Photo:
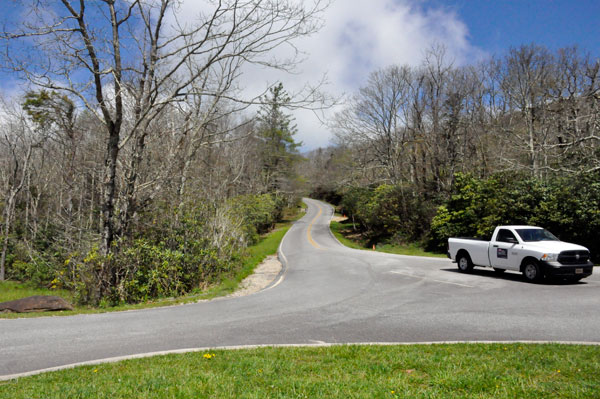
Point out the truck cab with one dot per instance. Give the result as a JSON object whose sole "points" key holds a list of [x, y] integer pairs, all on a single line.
{"points": [[503, 250]]}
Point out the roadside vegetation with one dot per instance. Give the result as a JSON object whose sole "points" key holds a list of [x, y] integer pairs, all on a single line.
{"points": [[192, 234], [158, 189], [345, 232], [395, 220], [421, 371], [266, 244], [437, 150]]}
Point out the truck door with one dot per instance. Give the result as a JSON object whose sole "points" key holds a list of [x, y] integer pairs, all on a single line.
{"points": [[502, 250]]}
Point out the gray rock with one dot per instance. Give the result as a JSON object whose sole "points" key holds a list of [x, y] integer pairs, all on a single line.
{"points": [[37, 303]]}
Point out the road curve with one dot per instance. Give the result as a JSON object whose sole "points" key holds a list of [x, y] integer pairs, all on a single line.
{"points": [[327, 294]]}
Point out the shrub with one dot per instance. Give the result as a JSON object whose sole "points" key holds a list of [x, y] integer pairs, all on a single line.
{"points": [[258, 213], [389, 212], [174, 251], [569, 207]]}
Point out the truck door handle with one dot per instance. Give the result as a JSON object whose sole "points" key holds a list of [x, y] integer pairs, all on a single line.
{"points": [[495, 246]]}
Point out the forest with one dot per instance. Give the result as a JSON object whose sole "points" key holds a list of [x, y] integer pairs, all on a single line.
{"points": [[134, 166], [429, 152]]}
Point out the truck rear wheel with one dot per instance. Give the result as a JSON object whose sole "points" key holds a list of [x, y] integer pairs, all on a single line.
{"points": [[464, 262], [532, 271]]}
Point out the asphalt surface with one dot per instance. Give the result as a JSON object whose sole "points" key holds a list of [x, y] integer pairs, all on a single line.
{"points": [[327, 294]]}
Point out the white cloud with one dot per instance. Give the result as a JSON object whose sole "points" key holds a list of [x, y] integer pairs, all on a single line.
{"points": [[359, 37]]}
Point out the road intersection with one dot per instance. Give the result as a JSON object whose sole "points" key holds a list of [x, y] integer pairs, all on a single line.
{"points": [[326, 294]]}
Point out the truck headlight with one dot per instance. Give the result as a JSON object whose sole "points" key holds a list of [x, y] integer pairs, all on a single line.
{"points": [[549, 257]]}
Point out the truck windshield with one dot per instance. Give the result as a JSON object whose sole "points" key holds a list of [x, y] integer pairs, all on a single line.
{"points": [[529, 235]]}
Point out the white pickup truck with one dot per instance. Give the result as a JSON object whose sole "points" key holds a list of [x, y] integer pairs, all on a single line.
{"points": [[531, 250]]}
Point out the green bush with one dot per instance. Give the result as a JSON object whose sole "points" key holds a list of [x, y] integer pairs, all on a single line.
{"points": [[259, 213], [569, 207], [389, 212], [174, 251], [35, 267], [475, 207], [571, 210]]}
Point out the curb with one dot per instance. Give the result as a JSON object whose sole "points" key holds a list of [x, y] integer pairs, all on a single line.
{"points": [[242, 347]]}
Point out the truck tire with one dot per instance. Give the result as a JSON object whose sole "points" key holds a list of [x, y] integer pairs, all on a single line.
{"points": [[532, 271], [464, 262]]}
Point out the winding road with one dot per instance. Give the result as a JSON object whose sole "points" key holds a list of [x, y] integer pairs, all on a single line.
{"points": [[327, 293]]}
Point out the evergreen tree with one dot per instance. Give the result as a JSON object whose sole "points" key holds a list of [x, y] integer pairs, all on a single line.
{"points": [[276, 132]]}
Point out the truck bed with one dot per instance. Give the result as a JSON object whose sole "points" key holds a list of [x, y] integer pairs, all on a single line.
{"points": [[476, 247]]}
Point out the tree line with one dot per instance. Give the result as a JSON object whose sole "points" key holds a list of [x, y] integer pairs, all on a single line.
{"points": [[529, 118]]}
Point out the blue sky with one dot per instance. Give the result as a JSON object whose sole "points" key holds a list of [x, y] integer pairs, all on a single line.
{"points": [[399, 31], [494, 26]]}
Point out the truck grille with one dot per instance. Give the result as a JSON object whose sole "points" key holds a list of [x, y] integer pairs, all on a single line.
{"points": [[574, 257]]}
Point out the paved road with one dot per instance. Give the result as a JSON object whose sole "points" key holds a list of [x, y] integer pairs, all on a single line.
{"points": [[330, 294]]}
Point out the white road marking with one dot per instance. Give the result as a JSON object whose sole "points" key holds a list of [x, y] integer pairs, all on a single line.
{"points": [[431, 279], [285, 261]]}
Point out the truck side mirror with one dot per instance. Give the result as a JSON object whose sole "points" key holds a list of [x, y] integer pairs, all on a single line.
{"points": [[512, 240]]}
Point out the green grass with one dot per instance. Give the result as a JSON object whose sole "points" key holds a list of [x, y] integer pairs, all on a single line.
{"points": [[344, 233], [421, 371], [256, 254]]}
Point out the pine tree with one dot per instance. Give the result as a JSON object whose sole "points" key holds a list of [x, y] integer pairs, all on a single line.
{"points": [[276, 132]]}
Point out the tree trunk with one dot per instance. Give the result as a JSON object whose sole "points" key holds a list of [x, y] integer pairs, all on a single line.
{"points": [[8, 215], [108, 206], [130, 202]]}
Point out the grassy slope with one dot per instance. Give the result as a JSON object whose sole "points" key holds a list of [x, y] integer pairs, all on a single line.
{"points": [[342, 230], [436, 371], [256, 254]]}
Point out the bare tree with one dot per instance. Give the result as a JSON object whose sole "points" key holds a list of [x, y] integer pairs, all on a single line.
{"points": [[17, 144], [128, 61], [376, 118], [575, 112], [527, 82]]}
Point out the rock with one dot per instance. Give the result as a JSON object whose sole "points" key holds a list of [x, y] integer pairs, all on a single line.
{"points": [[38, 303]]}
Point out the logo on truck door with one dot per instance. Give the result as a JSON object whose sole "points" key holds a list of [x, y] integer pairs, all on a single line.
{"points": [[502, 253]]}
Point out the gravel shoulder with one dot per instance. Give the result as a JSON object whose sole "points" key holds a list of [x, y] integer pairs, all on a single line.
{"points": [[263, 275]]}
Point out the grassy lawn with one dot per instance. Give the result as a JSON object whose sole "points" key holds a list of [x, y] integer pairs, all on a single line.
{"points": [[421, 371], [343, 232], [256, 254]]}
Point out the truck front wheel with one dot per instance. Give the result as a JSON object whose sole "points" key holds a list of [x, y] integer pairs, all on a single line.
{"points": [[464, 263], [532, 271]]}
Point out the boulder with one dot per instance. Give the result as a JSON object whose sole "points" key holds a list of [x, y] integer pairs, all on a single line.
{"points": [[37, 303]]}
